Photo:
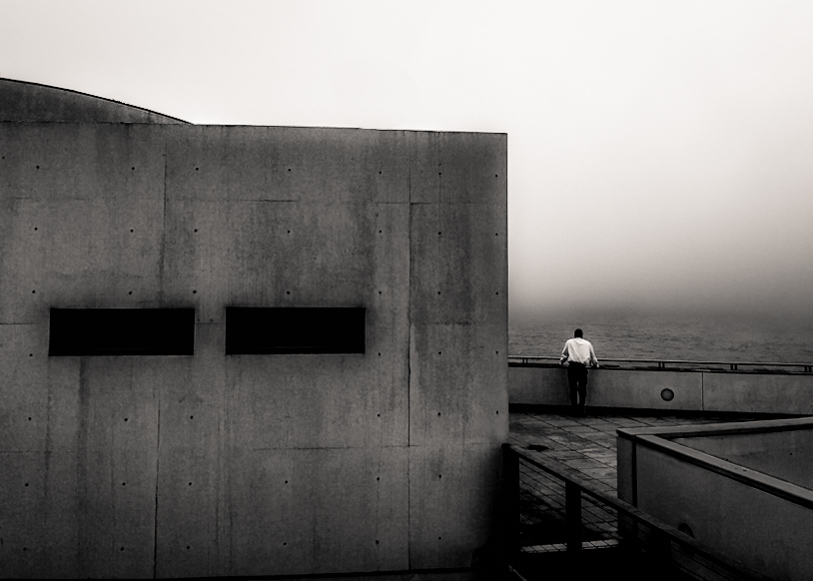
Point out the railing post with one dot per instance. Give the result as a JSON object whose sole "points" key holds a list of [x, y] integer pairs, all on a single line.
{"points": [[510, 512], [661, 549], [573, 517]]}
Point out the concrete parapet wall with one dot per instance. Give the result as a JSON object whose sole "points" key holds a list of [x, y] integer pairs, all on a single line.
{"points": [[767, 533], [740, 488], [741, 392], [717, 391], [240, 465]]}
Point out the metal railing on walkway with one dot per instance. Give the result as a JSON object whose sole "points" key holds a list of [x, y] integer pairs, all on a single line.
{"points": [[560, 526], [673, 364]]}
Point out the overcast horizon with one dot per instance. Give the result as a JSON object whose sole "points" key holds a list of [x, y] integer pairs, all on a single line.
{"points": [[659, 154]]}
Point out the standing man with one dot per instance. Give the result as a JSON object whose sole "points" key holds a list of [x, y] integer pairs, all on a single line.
{"points": [[577, 356]]}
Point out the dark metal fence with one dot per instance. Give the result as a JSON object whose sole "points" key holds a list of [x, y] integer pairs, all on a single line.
{"points": [[674, 364], [561, 527]]}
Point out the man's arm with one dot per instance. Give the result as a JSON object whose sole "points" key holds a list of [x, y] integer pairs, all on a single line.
{"points": [[593, 358], [564, 356]]}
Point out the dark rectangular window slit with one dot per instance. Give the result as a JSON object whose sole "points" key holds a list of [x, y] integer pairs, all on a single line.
{"points": [[122, 332], [259, 331]]}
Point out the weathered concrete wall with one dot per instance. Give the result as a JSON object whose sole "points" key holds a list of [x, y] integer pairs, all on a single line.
{"points": [[690, 390], [608, 388], [255, 464], [786, 394]]}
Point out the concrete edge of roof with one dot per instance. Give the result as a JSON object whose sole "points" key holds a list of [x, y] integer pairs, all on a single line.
{"points": [[88, 96]]}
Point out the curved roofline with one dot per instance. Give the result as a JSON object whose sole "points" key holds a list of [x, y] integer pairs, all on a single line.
{"points": [[94, 97]]}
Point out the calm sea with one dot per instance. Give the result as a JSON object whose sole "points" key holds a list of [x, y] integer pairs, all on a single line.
{"points": [[669, 336]]}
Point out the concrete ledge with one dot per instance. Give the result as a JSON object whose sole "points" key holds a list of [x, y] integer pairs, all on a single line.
{"points": [[657, 439], [635, 412], [668, 390], [460, 574]]}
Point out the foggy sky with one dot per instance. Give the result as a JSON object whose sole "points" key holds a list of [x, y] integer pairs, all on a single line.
{"points": [[660, 154]]}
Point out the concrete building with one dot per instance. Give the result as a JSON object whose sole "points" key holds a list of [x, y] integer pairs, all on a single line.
{"points": [[238, 351]]}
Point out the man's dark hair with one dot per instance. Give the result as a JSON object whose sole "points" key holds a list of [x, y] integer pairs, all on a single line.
{"points": [[578, 333]]}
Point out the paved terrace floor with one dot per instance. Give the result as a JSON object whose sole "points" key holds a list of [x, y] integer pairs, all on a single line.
{"points": [[586, 446]]}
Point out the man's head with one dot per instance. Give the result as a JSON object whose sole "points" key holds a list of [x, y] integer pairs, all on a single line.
{"points": [[578, 333]]}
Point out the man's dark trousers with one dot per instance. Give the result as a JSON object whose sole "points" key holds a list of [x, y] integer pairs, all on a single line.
{"points": [[577, 380]]}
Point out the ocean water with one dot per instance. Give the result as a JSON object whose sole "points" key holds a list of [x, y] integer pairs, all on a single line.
{"points": [[684, 336]]}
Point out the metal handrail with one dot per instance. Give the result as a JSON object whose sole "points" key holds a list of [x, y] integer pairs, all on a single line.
{"points": [[576, 486], [662, 363]]}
